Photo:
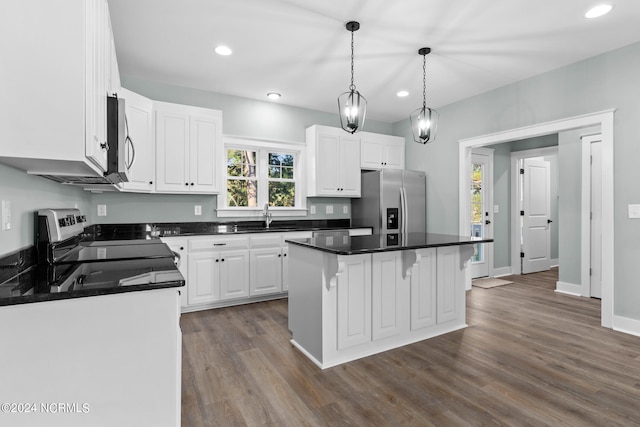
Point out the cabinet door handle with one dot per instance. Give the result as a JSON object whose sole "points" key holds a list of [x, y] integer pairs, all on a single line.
{"points": [[150, 182], [104, 145], [192, 183], [217, 260], [186, 183], [284, 255], [182, 248], [219, 244], [222, 259], [279, 255]]}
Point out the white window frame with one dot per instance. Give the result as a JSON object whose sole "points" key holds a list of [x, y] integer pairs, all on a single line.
{"points": [[263, 148]]}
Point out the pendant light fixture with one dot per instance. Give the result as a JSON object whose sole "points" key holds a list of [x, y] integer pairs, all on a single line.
{"points": [[424, 121], [352, 106]]}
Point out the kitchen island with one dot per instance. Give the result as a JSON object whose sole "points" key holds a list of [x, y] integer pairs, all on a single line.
{"points": [[351, 297]]}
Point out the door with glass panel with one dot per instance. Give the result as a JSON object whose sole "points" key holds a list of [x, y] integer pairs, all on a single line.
{"points": [[480, 192]]}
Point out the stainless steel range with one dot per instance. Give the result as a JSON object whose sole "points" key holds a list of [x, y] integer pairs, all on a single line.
{"points": [[75, 263]]}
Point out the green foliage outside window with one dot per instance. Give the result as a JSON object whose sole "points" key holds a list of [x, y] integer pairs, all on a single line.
{"points": [[243, 178], [242, 183]]}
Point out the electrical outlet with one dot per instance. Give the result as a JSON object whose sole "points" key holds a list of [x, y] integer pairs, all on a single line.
{"points": [[329, 209], [345, 209], [197, 210], [496, 208], [634, 211], [312, 210], [102, 210], [6, 215]]}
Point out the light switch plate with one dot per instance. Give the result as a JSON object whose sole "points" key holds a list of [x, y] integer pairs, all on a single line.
{"points": [[329, 209], [496, 208], [312, 210], [6, 215], [102, 210], [634, 211], [345, 209], [197, 210]]}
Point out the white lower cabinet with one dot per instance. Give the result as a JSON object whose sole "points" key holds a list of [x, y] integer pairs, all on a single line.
{"points": [[266, 271], [448, 296], [354, 301], [218, 269], [218, 276], [234, 274], [389, 293], [423, 289]]}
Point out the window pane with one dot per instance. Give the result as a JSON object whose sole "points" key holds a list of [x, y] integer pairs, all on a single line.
{"points": [[242, 192], [287, 160], [287, 173], [282, 194], [274, 172], [274, 159], [241, 163]]}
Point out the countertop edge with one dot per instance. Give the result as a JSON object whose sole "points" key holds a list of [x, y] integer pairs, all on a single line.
{"points": [[84, 293], [379, 249]]}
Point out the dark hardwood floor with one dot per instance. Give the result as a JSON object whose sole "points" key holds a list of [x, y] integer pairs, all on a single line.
{"points": [[530, 357]]}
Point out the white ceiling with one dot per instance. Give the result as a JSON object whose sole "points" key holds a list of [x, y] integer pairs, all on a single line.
{"points": [[301, 48]]}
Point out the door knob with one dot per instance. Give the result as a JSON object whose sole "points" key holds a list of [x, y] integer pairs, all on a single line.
{"points": [[549, 221]]}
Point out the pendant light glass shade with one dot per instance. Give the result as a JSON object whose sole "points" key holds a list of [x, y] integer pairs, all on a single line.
{"points": [[352, 106], [424, 124], [424, 121]]}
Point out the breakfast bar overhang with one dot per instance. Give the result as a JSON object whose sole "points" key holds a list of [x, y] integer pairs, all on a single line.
{"points": [[351, 297]]}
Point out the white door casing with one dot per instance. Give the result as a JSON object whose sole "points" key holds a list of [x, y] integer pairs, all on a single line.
{"points": [[595, 204], [536, 234], [605, 120]]}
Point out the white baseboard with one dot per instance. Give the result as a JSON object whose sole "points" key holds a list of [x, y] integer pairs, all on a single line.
{"points": [[555, 263], [626, 325], [568, 288], [502, 271]]}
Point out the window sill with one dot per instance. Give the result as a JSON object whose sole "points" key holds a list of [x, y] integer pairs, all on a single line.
{"points": [[257, 213]]}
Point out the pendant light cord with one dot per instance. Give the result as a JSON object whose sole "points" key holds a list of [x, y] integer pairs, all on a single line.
{"points": [[424, 82], [352, 87]]}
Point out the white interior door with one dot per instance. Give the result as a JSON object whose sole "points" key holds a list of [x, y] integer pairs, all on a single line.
{"points": [[481, 215], [536, 206], [596, 219]]}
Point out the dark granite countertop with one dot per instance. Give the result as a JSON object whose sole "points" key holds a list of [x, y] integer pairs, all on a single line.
{"points": [[383, 242], [42, 283], [153, 230]]}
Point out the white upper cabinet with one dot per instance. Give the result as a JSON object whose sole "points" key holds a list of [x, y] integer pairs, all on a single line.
{"points": [[54, 69], [139, 114], [188, 149], [333, 162], [381, 151]]}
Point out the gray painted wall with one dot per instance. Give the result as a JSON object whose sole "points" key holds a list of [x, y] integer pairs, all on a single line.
{"points": [[28, 193], [610, 80]]}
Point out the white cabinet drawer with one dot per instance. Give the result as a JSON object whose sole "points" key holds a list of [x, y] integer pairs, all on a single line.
{"points": [[218, 243], [266, 240]]}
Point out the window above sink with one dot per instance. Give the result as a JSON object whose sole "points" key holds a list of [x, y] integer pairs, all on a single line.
{"points": [[258, 172]]}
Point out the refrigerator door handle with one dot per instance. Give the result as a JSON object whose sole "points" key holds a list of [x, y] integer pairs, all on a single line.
{"points": [[403, 208]]}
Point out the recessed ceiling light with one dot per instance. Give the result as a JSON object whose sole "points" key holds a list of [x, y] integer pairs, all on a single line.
{"points": [[223, 50], [598, 11], [273, 95], [402, 94]]}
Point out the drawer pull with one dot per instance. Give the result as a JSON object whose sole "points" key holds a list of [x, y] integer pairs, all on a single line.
{"points": [[219, 244]]}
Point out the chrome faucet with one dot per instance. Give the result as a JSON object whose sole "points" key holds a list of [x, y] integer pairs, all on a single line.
{"points": [[267, 215]]}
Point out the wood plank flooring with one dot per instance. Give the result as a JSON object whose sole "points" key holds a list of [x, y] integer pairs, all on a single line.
{"points": [[530, 357]]}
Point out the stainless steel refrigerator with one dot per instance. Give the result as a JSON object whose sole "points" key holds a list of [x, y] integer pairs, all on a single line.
{"points": [[392, 201]]}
